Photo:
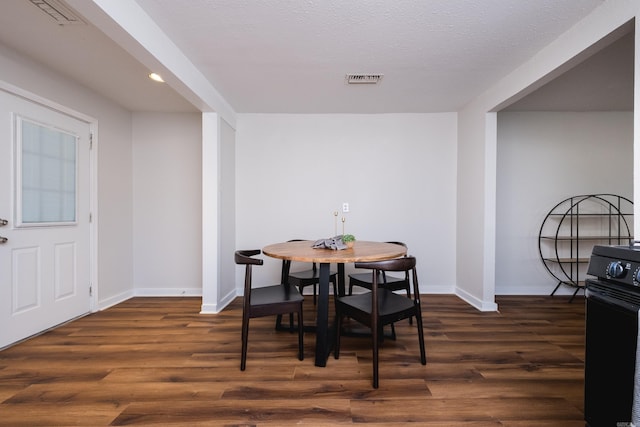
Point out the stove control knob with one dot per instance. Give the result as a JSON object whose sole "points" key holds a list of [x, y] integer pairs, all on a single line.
{"points": [[615, 269], [636, 277]]}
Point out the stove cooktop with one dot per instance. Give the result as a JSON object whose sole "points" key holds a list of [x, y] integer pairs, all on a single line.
{"points": [[619, 264]]}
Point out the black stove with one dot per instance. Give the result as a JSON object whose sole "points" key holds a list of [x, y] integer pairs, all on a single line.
{"points": [[612, 305], [617, 264]]}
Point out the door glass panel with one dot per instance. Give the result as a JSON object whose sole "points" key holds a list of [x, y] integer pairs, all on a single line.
{"points": [[46, 175]]}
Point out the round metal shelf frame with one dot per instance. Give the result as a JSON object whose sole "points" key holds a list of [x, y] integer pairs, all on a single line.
{"points": [[563, 245]]}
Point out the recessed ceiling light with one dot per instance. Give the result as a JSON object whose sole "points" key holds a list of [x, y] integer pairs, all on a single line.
{"points": [[156, 77]]}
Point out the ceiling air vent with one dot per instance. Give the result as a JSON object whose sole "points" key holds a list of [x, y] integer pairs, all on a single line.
{"points": [[58, 11], [363, 78]]}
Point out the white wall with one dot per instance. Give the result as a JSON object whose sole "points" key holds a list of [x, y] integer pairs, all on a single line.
{"points": [[397, 172], [476, 191], [167, 204], [115, 255], [543, 158]]}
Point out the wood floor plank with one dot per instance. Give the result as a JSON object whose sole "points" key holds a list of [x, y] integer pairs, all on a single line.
{"points": [[314, 390], [529, 371], [101, 392], [59, 414], [477, 409], [158, 361], [486, 389], [244, 412]]}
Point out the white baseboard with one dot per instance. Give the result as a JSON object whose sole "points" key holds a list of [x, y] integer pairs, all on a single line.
{"points": [[441, 289], [217, 308], [148, 292], [167, 292], [537, 290], [116, 299], [475, 302]]}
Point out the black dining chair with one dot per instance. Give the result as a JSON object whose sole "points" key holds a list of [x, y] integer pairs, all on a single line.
{"points": [[266, 301], [301, 279], [393, 283], [308, 277], [382, 306], [365, 280]]}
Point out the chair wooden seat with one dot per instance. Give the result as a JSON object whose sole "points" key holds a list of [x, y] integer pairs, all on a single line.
{"points": [[391, 307], [265, 297]]}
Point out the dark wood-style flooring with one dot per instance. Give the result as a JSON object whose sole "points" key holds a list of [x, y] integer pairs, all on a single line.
{"points": [[157, 361]]}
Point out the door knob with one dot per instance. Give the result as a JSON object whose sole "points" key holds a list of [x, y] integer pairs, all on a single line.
{"points": [[3, 222], [3, 240]]}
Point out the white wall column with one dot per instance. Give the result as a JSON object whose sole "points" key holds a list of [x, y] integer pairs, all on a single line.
{"points": [[489, 262], [210, 213]]}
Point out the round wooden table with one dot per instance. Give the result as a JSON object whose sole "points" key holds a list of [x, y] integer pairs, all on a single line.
{"points": [[303, 251]]}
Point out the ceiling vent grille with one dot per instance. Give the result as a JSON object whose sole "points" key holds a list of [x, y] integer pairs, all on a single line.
{"points": [[363, 78], [58, 11]]}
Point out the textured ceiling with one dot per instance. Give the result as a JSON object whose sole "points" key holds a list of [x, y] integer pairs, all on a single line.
{"points": [[291, 56]]}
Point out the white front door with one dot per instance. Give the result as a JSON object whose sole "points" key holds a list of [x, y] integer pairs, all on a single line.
{"points": [[44, 218]]}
